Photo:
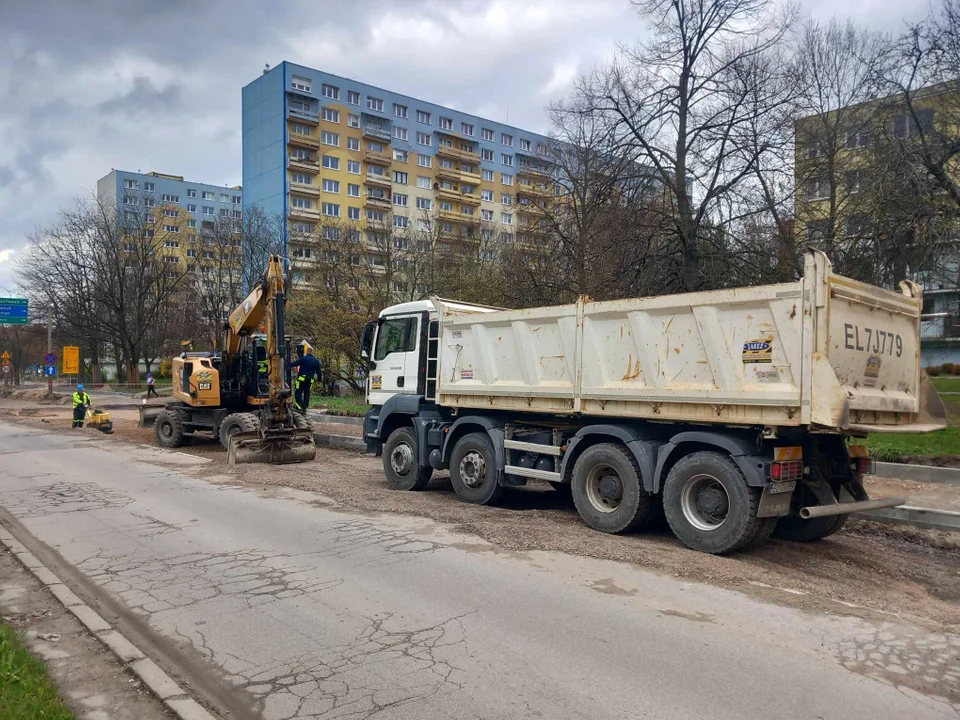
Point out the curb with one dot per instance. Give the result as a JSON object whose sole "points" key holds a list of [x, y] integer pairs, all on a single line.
{"points": [[341, 441], [928, 518], [918, 473], [341, 419], [161, 685]]}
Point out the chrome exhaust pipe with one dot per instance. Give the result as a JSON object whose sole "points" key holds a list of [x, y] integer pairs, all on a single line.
{"points": [[815, 511]]}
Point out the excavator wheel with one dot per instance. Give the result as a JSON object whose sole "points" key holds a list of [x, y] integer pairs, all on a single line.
{"points": [[237, 423]]}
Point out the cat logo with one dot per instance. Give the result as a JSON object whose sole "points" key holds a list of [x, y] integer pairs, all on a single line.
{"points": [[759, 350]]}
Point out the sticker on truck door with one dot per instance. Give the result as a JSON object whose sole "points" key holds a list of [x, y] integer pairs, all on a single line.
{"points": [[759, 350], [376, 382]]}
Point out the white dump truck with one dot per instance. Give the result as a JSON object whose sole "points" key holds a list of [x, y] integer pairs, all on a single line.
{"points": [[729, 412]]}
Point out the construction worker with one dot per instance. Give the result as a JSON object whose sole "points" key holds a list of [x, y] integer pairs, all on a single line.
{"points": [[308, 369], [81, 401]]}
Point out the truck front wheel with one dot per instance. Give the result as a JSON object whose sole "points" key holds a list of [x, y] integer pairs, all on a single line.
{"points": [[710, 507], [400, 461], [473, 470], [607, 490]]}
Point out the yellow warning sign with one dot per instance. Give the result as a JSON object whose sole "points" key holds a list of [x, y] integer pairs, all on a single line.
{"points": [[5, 358], [71, 360]]}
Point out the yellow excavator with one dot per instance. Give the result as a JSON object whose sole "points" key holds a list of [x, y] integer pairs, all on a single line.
{"points": [[242, 395]]}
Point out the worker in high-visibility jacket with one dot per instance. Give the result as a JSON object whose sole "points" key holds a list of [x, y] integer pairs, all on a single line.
{"points": [[308, 369], [81, 401]]}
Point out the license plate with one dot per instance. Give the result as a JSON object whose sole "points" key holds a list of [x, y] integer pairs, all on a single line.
{"points": [[205, 386], [782, 487]]}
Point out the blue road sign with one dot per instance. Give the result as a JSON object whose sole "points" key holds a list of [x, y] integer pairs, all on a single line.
{"points": [[50, 359], [51, 371], [13, 311]]}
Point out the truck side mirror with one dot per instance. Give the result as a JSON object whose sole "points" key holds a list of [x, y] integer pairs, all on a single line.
{"points": [[366, 342]]}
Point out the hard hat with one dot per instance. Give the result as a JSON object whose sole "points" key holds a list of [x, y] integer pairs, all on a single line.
{"points": [[79, 387], [305, 347]]}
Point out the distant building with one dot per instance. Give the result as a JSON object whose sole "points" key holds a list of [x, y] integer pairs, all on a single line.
{"points": [[322, 150]]}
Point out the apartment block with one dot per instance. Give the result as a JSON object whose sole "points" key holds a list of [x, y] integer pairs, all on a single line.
{"points": [[321, 149]]}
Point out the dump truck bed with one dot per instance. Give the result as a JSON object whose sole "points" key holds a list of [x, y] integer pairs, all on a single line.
{"points": [[827, 352]]}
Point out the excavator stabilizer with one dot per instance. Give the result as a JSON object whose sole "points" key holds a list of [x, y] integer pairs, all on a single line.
{"points": [[279, 447]]}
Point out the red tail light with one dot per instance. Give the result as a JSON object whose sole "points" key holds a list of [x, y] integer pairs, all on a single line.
{"points": [[865, 465], [786, 470]]}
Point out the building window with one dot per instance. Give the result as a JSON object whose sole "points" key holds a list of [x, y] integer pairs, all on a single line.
{"points": [[330, 115], [191, 223], [353, 167], [375, 104], [171, 213], [375, 147], [506, 139], [424, 203], [207, 195], [401, 156], [295, 128], [400, 177], [331, 163], [506, 218], [818, 189], [423, 138], [131, 184], [353, 143], [446, 206], [172, 259], [331, 209], [237, 214], [400, 133], [446, 123], [851, 182], [171, 228], [172, 198], [486, 155], [506, 199], [299, 202], [423, 182], [423, 117], [487, 215], [353, 213], [353, 97], [525, 145], [129, 200], [208, 210], [424, 161], [237, 199], [353, 190], [191, 193], [152, 218], [861, 137], [191, 253], [448, 164], [353, 121], [329, 138], [854, 226], [170, 243], [224, 212], [302, 227], [466, 129], [191, 207], [399, 200], [331, 186], [149, 186], [486, 195], [375, 170], [488, 175], [506, 179], [487, 134], [399, 221], [466, 210], [374, 216], [224, 197], [506, 159], [330, 91], [302, 84], [149, 202], [400, 110]]}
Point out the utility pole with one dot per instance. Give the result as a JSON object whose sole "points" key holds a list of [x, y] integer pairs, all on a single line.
{"points": [[49, 350]]}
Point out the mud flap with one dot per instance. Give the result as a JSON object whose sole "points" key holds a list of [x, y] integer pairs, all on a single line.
{"points": [[279, 447], [775, 504]]}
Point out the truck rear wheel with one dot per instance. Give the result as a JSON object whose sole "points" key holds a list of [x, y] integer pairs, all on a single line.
{"points": [[800, 530], [169, 429], [236, 423], [400, 461], [607, 490], [473, 470], [710, 507]]}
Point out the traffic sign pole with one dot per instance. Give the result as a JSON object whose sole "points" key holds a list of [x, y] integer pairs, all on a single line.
{"points": [[49, 351]]}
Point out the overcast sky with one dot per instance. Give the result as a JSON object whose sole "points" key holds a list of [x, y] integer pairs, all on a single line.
{"points": [[90, 86]]}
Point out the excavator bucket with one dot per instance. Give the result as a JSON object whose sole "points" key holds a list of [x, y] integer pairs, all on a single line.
{"points": [[279, 447]]}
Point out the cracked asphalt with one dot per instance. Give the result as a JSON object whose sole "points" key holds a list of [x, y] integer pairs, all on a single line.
{"points": [[294, 607]]}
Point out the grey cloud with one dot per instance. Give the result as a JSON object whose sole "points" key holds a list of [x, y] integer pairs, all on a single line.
{"points": [[144, 97]]}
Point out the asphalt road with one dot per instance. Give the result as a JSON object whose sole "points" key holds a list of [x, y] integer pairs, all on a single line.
{"points": [[279, 604]]}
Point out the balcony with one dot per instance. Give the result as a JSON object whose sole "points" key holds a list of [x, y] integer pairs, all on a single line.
{"points": [[449, 174], [537, 173], [458, 237], [458, 217], [471, 178], [379, 203], [301, 189], [297, 213], [304, 141], [535, 190], [307, 117], [470, 199], [375, 133], [455, 153], [451, 194], [305, 165], [377, 158], [530, 209], [380, 181]]}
